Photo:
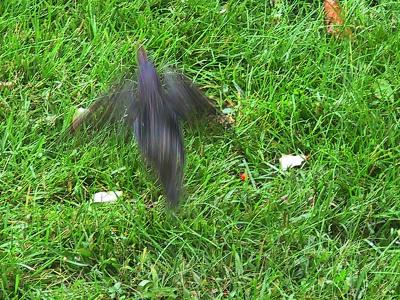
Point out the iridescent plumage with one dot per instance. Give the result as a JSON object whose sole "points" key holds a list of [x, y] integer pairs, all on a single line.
{"points": [[154, 113]]}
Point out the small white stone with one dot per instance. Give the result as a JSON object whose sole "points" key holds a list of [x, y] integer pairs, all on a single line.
{"points": [[106, 197], [290, 161]]}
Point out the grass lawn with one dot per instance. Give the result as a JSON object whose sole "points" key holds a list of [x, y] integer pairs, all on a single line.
{"points": [[328, 230]]}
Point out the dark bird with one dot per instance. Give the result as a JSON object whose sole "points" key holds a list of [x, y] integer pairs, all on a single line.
{"points": [[154, 108]]}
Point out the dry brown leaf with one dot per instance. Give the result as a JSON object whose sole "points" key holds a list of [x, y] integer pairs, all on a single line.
{"points": [[225, 120], [334, 18], [6, 84]]}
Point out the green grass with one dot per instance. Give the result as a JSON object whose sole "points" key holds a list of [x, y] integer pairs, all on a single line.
{"points": [[329, 230]]}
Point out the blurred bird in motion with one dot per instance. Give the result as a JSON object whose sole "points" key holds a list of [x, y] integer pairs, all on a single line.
{"points": [[154, 109]]}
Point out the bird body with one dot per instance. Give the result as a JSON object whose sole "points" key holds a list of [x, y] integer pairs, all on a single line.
{"points": [[155, 114]]}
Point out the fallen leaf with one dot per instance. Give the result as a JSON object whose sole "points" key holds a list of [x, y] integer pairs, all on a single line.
{"points": [[229, 103], [383, 90], [285, 198], [119, 170], [225, 120], [274, 2], [226, 293], [243, 176], [106, 197], [143, 283], [334, 18], [312, 199], [290, 161], [69, 186], [228, 110], [6, 84], [223, 9], [51, 120]]}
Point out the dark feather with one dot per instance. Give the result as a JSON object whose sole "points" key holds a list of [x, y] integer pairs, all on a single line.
{"points": [[185, 99], [157, 130], [118, 105], [154, 113]]}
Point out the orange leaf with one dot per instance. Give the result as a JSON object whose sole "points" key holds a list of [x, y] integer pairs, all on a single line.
{"points": [[333, 17], [243, 176]]}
